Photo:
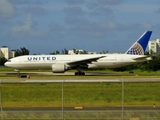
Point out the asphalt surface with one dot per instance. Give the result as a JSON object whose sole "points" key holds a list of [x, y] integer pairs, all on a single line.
{"points": [[135, 108], [84, 113], [67, 73], [68, 80]]}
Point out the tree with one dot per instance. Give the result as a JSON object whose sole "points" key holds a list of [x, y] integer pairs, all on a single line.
{"points": [[75, 51], [21, 51], [65, 51], [53, 53], [85, 52], [57, 52], [2, 61], [154, 64]]}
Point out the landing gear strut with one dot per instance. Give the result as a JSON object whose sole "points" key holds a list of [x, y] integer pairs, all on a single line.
{"points": [[18, 73], [79, 71]]}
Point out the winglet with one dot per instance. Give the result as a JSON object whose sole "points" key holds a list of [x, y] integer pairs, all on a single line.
{"points": [[139, 47]]}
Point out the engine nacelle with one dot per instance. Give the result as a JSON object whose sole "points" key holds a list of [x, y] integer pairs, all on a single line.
{"points": [[59, 68]]}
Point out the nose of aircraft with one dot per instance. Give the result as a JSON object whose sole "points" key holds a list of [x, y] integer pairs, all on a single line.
{"points": [[6, 63]]}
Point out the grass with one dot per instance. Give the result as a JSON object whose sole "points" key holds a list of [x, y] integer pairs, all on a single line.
{"points": [[79, 94]]}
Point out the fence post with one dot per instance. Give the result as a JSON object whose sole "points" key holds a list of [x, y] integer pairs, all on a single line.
{"points": [[122, 99], [62, 100], [1, 101]]}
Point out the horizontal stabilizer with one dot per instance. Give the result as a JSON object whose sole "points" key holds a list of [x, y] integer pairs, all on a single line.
{"points": [[144, 57]]}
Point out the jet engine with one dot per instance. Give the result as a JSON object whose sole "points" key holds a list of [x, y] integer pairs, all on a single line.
{"points": [[59, 68]]}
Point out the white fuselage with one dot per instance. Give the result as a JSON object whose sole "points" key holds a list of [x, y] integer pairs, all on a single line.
{"points": [[46, 61]]}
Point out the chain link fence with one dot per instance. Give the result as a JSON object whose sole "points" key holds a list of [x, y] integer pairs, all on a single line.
{"points": [[114, 99]]}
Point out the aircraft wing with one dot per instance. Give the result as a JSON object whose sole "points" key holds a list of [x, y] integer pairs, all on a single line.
{"points": [[84, 61]]}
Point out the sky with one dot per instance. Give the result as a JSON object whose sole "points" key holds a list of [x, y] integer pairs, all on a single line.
{"points": [[44, 26]]}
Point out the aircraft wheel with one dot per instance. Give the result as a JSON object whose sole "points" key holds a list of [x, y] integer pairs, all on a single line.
{"points": [[76, 73], [79, 73], [82, 73]]}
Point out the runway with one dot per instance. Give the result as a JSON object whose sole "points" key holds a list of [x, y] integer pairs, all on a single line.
{"points": [[68, 73], [68, 80], [127, 108], [110, 113], [69, 77]]}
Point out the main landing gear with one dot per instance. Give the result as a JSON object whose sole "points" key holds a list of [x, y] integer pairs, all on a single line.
{"points": [[79, 72]]}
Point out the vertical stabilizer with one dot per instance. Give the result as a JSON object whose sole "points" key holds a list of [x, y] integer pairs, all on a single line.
{"points": [[139, 47]]}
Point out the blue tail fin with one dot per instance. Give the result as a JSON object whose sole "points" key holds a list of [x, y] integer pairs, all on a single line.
{"points": [[139, 47]]}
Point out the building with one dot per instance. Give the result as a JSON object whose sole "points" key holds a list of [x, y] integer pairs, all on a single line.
{"points": [[5, 52], [154, 47], [75, 51]]}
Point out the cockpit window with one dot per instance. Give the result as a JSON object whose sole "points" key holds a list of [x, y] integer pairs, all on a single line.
{"points": [[9, 61]]}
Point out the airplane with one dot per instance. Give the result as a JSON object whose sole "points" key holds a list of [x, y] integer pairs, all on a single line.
{"points": [[62, 63]]}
